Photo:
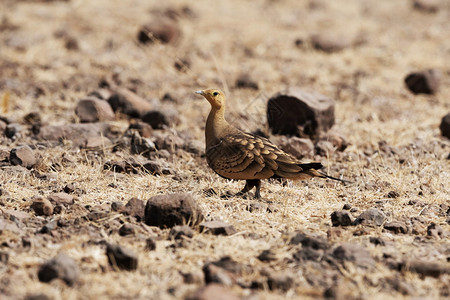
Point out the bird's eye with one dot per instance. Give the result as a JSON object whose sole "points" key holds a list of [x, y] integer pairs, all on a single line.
{"points": [[215, 94]]}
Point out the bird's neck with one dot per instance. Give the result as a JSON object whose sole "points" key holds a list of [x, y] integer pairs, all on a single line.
{"points": [[215, 125]]}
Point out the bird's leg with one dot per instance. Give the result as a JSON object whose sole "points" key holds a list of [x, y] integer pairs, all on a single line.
{"points": [[258, 189], [249, 185]]}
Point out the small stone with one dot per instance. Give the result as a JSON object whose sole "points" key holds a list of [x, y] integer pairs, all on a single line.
{"points": [[91, 110], [195, 277], [445, 126], [282, 281], [127, 229], [308, 253], [121, 258], [181, 231], [213, 291], [396, 227], [164, 30], [324, 148], [78, 134], [392, 194], [61, 198], [347, 206], [49, 227], [42, 207], [215, 274], [244, 81], [69, 188], [23, 156], [166, 211], [12, 131], [341, 218], [117, 206], [267, 256], [310, 241], [425, 268], [150, 244], [96, 215], [353, 253], [300, 113], [135, 208], [371, 217], [377, 241], [144, 129], [217, 228], [32, 118], [4, 257], [298, 147], [423, 82], [182, 64], [330, 43], [428, 6], [62, 267], [156, 119], [335, 292], [434, 230], [128, 103]]}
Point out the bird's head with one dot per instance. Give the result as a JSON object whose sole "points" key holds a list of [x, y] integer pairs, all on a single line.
{"points": [[215, 97]]}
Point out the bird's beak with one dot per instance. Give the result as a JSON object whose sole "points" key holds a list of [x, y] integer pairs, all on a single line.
{"points": [[200, 92]]}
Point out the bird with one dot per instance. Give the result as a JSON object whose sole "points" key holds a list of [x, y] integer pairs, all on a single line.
{"points": [[235, 154]]}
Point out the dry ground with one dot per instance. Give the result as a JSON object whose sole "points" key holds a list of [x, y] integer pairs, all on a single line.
{"points": [[223, 39]]}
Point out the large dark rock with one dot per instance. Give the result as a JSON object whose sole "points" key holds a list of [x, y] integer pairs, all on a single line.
{"points": [[300, 113], [423, 82], [166, 211]]}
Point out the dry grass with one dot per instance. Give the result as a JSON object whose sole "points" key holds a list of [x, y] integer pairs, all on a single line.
{"points": [[372, 108]]}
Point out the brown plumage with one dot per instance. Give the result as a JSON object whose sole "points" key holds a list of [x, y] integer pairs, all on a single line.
{"points": [[235, 154]]}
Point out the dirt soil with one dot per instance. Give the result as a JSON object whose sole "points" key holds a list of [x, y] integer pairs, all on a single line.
{"points": [[55, 53]]}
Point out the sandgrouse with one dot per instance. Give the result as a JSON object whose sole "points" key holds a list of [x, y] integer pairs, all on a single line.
{"points": [[235, 154]]}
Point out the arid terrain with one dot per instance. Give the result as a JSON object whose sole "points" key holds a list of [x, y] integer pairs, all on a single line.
{"points": [[98, 115]]}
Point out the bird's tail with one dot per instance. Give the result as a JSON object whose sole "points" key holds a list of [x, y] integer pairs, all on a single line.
{"points": [[313, 170]]}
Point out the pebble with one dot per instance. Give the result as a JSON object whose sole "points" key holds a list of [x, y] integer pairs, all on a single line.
{"points": [[62, 267], [91, 109], [164, 30], [423, 82], [217, 228], [23, 156], [341, 218], [121, 258], [445, 126], [181, 231], [371, 217], [42, 207], [353, 253], [396, 227]]}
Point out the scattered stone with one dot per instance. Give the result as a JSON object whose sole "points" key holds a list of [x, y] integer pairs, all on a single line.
{"points": [[424, 268], [393, 194], [217, 228], [182, 65], [141, 145], [298, 147], [173, 209], [353, 253], [229, 264], [134, 165], [336, 139], [324, 148], [69, 188], [371, 217], [49, 227], [32, 118], [267, 256], [330, 43], [335, 292], [156, 119], [244, 81], [150, 244], [23, 156], [42, 207], [144, 129], [195, 277], [215, 274], [377, 241], [77, 133], [282, 281], [61, 198], [164, 30], [128, 103], [117, 206], [91, 110], [434, 230], [135, 208], [310, 241], [300, 113], [97, 215], [308, 254], [121, 258], [423, 82], [347, 206], [181, 231], [127, 229], [341, 218], [445, 126], [428, 6], [62, 267], [12, 131], [37, 297], [4, 257], [396, 227], [213, 291]]}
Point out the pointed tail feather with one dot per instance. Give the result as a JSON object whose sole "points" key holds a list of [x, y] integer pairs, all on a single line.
{"points": [[312, 169]]}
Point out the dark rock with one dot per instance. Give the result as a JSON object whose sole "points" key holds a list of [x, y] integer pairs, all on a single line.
{"points": [[156, 119], [445, 126], [42, 207], [164, 30], [425, 268], [215, 274], [300, 113], [217, 228], [181, 231], [135, 208], [310, 241], [213, 291], [128, 103], [62, 267], [341, 218], [428, 6], [347, 206], [298, 147], [141, 145], [308, 253], [119, 257], [96, 215], [61, 198], [79, 134], [193, 277], [353, 253], [330, 42], [393, 194], [423, 82], [69, 188], [49, 227], [435, 230], [335, 292], [244, 81], [32, 118], [117, 206], [267, 255], [91, 110], [229, 264], [127, 229], [377, 241], [182, 65], [282, 281], [12, 131], [396, 227], [23, 156], [371, 217], [173, 209], [150, 244], [144, 129]]}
